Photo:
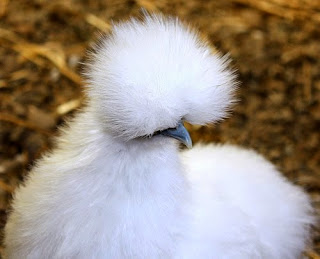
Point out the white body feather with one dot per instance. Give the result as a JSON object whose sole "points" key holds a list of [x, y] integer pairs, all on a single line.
{"points": [[103, 193]]}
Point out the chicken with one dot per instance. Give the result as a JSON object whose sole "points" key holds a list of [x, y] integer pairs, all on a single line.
{"points": [[117, 185]]}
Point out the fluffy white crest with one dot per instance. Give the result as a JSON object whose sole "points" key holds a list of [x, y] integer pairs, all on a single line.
{"points": [[146, 76]]}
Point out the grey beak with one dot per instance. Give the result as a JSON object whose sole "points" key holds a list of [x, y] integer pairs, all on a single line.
{"points": [[180, 133]]}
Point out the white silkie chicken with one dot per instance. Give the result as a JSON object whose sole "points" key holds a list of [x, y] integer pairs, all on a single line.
{"points": [[116, 186]]}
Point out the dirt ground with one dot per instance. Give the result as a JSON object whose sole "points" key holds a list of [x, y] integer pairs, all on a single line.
{"points": [[275, 44]]}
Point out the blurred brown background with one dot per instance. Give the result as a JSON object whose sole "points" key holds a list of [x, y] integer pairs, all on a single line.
{"points": [[275, 44]]}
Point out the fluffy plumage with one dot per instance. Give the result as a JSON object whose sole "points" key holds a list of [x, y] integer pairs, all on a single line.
{"points": [[108, 191], [146, 77]]}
